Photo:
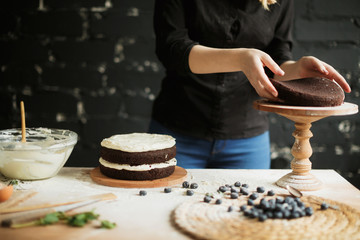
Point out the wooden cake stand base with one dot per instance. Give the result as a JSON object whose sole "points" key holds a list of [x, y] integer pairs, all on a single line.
{"points": [[300, 177]]}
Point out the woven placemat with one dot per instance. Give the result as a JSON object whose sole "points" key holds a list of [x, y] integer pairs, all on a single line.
{"points": [[210, 221]]}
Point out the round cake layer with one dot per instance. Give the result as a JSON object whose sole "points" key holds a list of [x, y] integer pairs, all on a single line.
{"points": [[144, 167], [319, 92], [138, 142], [149, 157], [154, 173]]}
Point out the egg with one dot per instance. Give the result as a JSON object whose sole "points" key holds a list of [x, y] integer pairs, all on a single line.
{"points": [[5, 192]]}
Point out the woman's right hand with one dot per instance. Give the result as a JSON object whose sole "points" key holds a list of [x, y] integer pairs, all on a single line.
{"points": [[252, 63]]}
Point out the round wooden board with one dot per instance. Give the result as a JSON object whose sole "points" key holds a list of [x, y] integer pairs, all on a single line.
{"points": [[344, 109], [177, 177]]}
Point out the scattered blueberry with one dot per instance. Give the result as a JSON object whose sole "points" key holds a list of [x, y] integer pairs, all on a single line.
{"points": [[142, 193], [167, 190], [244, 191], [189, 192], [234, 190], [207, 199], [260, 189], [234, 195], [230, 208], [194, 186], [271, 193], [243, 208], [218, 201], [185, 184], [222, 189], [245, 185], [253, 196], [279, 200], [250, 202], [237, 184], [324, 206]]}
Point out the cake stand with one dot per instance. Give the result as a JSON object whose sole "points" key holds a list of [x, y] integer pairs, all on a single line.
{"points": [[300, 177]]}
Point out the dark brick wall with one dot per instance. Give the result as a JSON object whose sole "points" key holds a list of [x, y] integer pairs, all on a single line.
{"points": [[89, 66]]}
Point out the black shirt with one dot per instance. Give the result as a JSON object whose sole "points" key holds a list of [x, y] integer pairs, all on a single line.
{"points": [[215, 106]]}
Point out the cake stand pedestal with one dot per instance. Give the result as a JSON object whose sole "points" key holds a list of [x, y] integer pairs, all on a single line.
{"points": [[300, 177]]}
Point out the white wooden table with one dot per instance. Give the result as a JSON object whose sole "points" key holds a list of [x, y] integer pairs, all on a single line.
{"points": [[148, 217]]}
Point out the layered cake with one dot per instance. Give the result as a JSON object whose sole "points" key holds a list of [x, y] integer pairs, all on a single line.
{"points": [[138, 156], [320, 92]]}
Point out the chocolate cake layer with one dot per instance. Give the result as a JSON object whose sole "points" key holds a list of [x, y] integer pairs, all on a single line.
{"points": [[320, 92], [152, 174], [138, 158]]}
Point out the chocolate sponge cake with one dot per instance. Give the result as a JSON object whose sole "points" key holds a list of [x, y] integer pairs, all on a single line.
{"points": [[319, 92], [138, 156]]}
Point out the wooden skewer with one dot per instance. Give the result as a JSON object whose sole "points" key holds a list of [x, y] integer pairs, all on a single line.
{"points": [[23, 127]]}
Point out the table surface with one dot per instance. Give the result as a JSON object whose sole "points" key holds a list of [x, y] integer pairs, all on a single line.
{"points": [[149, 217]]}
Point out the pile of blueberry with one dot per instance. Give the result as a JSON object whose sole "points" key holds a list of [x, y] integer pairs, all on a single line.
{"points": [[271, 208]]}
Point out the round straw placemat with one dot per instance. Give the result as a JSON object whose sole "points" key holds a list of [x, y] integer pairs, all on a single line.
{"points": [[210, 221]]}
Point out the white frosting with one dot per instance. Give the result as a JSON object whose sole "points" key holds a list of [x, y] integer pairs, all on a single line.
{"points": [[138, 142], [144, 167]]}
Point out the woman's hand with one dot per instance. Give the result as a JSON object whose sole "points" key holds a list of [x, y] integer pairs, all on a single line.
{"points": [[309, 66], [250, 61]]}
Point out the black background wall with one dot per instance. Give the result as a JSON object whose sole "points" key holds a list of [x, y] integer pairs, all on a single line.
{"points": [[89, 66]]}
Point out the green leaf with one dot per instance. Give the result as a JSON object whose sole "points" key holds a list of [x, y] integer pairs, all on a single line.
{"points": [[49, 219], [107, 224]]}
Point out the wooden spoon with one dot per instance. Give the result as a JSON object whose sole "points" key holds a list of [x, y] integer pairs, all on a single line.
{"points": [[297, 193]]}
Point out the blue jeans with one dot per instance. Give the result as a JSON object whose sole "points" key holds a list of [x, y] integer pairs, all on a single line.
{"points": [[243, 153]]}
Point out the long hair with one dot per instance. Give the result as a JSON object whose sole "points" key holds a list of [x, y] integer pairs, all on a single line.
{"points": [[266, 3]]}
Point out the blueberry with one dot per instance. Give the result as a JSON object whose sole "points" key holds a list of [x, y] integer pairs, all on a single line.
{"points": [[189, 192], [271, 193], [194, 186], [279, 207], [207, 199], [264, 205], [286, 213], [289, 200], [167, 190], [278, 214], [142, 193], [250, 202], [269, 214], [234, 195], [247, 212], [244, 191], [237, 184], [309, 211], [185, 184], [263, 217], [222, 189], [243, 207], [279, 200], [230, 208], [295, 215], [324, 206], [218, 201], [234, 190], [245, 185], [253, 196], [260, 189], [254, 214]]}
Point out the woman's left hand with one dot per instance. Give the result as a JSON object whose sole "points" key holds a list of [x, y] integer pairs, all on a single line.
{"points": [[310, 66]]}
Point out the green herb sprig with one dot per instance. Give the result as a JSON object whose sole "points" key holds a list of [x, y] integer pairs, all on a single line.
{"points": [[77, 220]]}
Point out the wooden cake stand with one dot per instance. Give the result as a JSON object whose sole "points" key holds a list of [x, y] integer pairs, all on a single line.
{"points": [[300, 177]]}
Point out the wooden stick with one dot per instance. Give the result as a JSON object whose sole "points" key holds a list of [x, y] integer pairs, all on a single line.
{"points": [[23, 127], [101, 197]]}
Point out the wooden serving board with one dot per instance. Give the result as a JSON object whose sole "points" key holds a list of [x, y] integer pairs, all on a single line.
{"points": [[177, 177]]}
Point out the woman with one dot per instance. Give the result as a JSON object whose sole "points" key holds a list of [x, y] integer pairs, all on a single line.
{"points": [[218, 57]]}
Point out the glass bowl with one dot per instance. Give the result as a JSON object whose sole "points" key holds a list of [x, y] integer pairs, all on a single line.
{"points": [[42, 155]]}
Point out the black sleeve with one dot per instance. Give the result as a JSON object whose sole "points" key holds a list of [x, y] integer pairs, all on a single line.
{"points": [[281, 45], [173, 44]]}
